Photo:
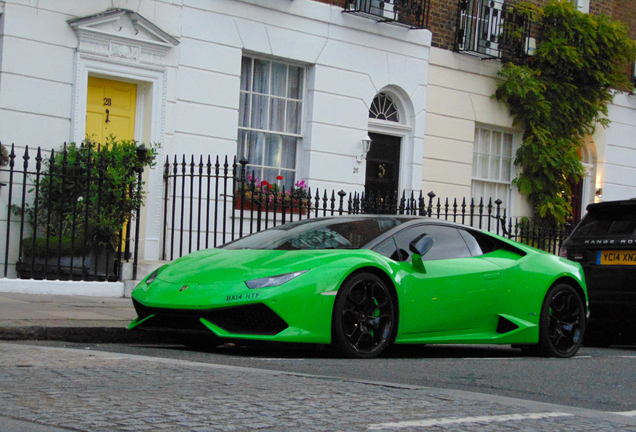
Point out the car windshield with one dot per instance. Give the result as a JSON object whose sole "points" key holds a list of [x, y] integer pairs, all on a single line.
{"points": [[607, 222], [338, 233]]}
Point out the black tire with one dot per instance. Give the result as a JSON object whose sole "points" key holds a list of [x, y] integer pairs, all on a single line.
{"points": [[562, 323], [363, 317]]}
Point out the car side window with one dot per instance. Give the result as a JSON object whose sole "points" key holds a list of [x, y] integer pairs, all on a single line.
{"points": [[471, 242], [448, 242], [388, 249]]}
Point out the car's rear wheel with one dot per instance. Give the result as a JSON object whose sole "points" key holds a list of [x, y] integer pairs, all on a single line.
{"points": [[364, 317], [562, 322]]}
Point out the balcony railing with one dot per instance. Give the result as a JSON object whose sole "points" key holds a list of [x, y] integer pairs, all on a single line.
{"points": [[492, 30], [411, 14]]}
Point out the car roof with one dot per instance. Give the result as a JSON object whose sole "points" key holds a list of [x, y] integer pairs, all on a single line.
{"points": [[608, 204], [409, 221]]}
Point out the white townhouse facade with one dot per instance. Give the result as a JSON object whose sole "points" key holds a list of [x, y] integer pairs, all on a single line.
{"points": [[294, 86]]}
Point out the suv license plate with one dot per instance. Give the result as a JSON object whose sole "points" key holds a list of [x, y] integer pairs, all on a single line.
{"points": [[616, 258]]}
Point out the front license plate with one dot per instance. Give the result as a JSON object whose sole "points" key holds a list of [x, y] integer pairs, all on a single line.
{"points": [[616, 258]]}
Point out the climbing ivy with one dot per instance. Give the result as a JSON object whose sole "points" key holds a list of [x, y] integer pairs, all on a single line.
{"points": [[560, 96]]}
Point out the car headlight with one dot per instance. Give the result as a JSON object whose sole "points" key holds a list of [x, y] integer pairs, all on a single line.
{"points": [[273, 281], [154, 275]]}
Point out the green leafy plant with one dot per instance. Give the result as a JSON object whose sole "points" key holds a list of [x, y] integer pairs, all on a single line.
{"points": [[87, 193], [560, 97], [4, 155]]}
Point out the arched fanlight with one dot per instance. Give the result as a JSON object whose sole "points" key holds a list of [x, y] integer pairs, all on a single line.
{"points": [[383, 108]]}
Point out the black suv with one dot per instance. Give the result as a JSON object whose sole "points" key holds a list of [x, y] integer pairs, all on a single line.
{"points": [[604, 242]]}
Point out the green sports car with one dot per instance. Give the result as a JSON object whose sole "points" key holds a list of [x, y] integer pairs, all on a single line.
{"points": [[363, 282]]}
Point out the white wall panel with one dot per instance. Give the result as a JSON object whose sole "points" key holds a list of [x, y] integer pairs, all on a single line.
{"points": [[448, 127], [338, 140], [188, 144], [305, 47], [340, 111], [209, 27], [26, 57], [450, 150], [344, 82], [40, 24], [37, 96], [619, 175], [254, 36], [208, 88], [450, 103], [205, 120], [34, 130], [209, 56], [444, 171]]}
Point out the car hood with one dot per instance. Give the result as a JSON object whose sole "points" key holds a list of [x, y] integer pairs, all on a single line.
{"points": [[218, 265]]}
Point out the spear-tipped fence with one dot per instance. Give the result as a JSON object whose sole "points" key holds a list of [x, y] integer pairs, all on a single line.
{"points": [[209, 203], [66, 216]]}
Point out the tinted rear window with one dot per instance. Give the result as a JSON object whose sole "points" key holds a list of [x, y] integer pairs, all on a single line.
{"points": [[608, 222]]}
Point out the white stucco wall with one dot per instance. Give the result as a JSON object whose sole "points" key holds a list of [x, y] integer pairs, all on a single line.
{"points": [[616, 148], [189, 99]]}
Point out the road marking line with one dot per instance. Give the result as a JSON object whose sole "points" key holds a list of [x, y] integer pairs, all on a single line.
{"points": [[626, 413], [451, 420], [491, 358]]}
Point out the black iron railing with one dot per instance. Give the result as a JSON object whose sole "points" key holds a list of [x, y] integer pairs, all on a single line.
{"points": [[61, 209], [412, 14], [492, 30], [55, 206], [210, 203]]}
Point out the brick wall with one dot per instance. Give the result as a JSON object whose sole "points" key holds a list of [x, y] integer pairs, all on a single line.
{"points": [[443, 16], [625, 10]]}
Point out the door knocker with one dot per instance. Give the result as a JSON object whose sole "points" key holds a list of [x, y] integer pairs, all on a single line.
{"points": [[381, 171]]}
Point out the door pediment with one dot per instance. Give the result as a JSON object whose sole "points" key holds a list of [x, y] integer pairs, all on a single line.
{"points": [[123, 35]]}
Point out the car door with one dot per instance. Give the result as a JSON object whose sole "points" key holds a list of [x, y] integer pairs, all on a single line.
{"points": [[456, 291]]}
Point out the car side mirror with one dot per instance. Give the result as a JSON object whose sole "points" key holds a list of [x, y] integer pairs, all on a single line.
{"points": [[419, 247]]}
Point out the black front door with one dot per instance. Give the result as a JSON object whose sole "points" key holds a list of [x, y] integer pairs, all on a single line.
{"points": [[383, 165]]}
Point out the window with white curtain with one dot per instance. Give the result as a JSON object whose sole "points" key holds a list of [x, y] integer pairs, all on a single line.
{"points": [[582, 5], [270, 118], [493, 167]]}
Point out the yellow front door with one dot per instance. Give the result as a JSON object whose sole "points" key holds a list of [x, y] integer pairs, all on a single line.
{"points": [[110, 110]]}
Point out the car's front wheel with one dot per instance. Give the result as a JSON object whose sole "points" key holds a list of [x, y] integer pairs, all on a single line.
{"points": [[364, 317], [562, 322]]}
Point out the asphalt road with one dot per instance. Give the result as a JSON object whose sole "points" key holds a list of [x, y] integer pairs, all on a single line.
{"points": [[598, 379]]}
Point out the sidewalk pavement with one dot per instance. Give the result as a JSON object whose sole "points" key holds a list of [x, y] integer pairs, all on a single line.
{"points": [[67, 318]]}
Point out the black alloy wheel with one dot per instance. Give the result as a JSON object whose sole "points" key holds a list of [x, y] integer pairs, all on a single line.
{"points": [[562, 322], [364, 317]]}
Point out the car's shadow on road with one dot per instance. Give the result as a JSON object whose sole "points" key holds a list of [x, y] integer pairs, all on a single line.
{"points": [[292, 351]]}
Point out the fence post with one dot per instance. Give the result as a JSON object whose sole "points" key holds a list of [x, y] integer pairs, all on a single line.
{"points": [[142, 154], [431, 195], [11, 169], [342, 194]]}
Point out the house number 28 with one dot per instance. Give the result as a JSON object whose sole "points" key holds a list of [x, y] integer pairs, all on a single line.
{"points": [[108, 101], [356, 170]]}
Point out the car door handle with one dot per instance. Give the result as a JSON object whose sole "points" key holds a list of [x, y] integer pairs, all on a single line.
{"points": [[492, 276]]}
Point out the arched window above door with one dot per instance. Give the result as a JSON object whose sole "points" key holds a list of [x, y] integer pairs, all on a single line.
{"points": [[383, 108]]}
